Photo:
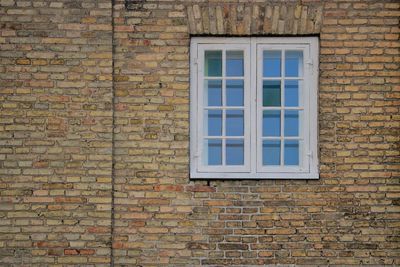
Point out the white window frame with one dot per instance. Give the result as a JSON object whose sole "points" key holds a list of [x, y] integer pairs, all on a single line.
{"points": [[253, 47]]}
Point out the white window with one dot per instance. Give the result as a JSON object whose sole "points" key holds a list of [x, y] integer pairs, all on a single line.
{"points": [[254, 108]]}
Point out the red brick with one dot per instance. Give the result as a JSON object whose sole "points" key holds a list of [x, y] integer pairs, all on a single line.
{"points": [[200, 188], [71, 252]]}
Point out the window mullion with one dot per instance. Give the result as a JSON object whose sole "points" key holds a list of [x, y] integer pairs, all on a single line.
{"points": [[253, 108], [282, 106], [257, 109], [224, 108]]}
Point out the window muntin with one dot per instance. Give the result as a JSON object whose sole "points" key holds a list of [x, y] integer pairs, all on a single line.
{"points": [[251, 115]]}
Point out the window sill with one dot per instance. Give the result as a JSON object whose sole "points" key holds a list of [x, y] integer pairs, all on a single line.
{"points": [[254, 176]]}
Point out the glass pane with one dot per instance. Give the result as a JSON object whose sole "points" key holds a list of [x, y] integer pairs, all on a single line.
{"points": [[291, 93], [214, 122], [213, 63], [291, 152], [271, 123], [234, 123], [272, 64], [293, 63], [234, 92], [271, 93], [291, 123], [234, 63], [234, 152], [213, 92], [213, 152], [271, 152]]}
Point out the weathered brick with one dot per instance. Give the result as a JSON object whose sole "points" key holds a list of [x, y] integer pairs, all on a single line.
{"points": [[59, 119], [232, 246]]}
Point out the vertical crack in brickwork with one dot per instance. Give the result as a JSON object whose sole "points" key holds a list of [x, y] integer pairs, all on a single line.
{"points": [[112, 223]]}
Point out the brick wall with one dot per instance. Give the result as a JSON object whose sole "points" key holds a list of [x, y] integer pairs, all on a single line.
{"points": [[60, 102], [55, 132]]}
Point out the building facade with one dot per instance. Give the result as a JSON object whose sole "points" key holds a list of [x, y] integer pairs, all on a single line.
{"points": [[94, 147]]}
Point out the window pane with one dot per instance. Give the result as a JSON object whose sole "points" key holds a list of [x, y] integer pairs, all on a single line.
{"points": [[213, 92], [214, 122], [234, 152], [213, 63], [291, 93], [291, 152], [272, 64], [213, 152], [234, 63], [271, 93], [271, 152], [234, 92], [234, 123], [291, 123], [293, 63], [271, 123]]}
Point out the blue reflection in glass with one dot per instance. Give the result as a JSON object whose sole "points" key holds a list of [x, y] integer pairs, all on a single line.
{"points": [[214, 92], [291, 152], [291, 123], [234, 63], [214, 152], [291, 93], [271, 93], [234, 92], [271, 152], [234, 123], [272, 64], [234, 152], [271, 123], [293, 63], [213, 63], [214, 122]]}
